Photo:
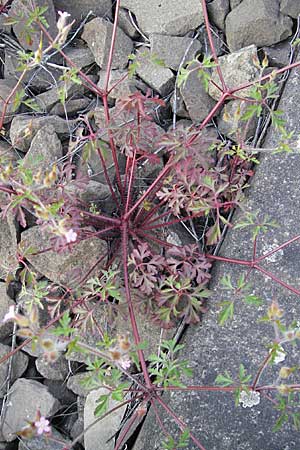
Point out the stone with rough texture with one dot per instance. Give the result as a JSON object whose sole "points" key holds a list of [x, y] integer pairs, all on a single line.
{"points": [[57, 370], [79, 54], [217, 11], [59, 267], [237, 68], [99, 435], [75, 384], [72, 107], [19, 365], [26, 398], [197, 101], [126, 25], [79, 9], [256, 22], [174, 50], [166, 16], [44, 150], [23, 9], [230, 123], [42, 443], [234, 3], [178, 106], [290, 8], [212, 349], [8, 246], [5, 302], [7, 111], [123, 89], [97, 34], [159, 78], [278, 55], [60, 391], [24, 128]]}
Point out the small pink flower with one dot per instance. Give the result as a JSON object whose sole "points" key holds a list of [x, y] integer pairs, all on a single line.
{"points": [[70, 236], [11, 315], [42, 425], [125, 364]]}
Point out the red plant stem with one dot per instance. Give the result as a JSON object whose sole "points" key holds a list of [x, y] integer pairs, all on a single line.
{"points": [[135, 330], [240, 262], [131, 178], [261, 369], [117, 83], [197, 388], [285, 244], [179, 422], [99, 260], [112, 47], [162, 174], [274, 278], [107, 177], [126, 430], [148, 214], [102, 218], [211, 44], [7, 190], [158, 418], [150, 238]]}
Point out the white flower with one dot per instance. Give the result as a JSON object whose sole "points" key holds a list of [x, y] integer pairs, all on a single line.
{"points": [[70, 236], [62, 21], [125, 364], [11, 315], [42, 425], [279, 355], [249, 398]]}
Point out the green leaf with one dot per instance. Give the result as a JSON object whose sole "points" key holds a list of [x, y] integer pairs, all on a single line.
{"points": [[253, 300], [226, 312], [282, 419], [102, 407], [224, 380]]}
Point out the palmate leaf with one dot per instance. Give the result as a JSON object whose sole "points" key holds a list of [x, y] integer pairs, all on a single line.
{"points": [[227, 312]]}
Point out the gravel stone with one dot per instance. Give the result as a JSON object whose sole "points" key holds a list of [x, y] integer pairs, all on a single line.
{"points": [[217, 11], [19, 365]]}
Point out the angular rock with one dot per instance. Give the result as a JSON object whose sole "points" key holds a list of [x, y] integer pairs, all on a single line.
{"points": [[218, 10], [8, 246], [174, 50], [79, 54], [159, 78], [230, 123], [95, 192], [24, 128], [26, 398], [23, 9], [218, 39], [42, 443], [125, 24], [122, 90], [278, 55], [48, 99], [57, 370], [90, 164], [167, 16], [79, 9], [97, 33], [257, 22], [197, 101], [45, 149], [60, 391], [237, 68], [19, 364], [59, 267], [290, 8], [6, 87], [75, 384], [179, 107], [102, 431], [72, 106], [5, 302], [77, 429], [234, 3]]}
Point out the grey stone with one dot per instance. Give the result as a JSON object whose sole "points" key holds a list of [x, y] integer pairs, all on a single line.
{"points": [[125, 24], [234, 3], [48, 99], [166, 17], [95, 192], [174, 50], [218, 10], [57, 370], [26, 398], [19, 363], [79, 54], [230, 123], [23, 9], [97, 33], [237, 68], [71, 107], [278, 55], [5, 302], [45, 149], [58, 267], [122, 90], [59, 390], [77, 429], [197, 101], [256, 22], [159, 78], [218, 39], [98, 436], [24, 128], [290, 8], [42, 443], [75, 384], [79, 9], [179, 108], [212, 349], [8, 111], [8, 246]]}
